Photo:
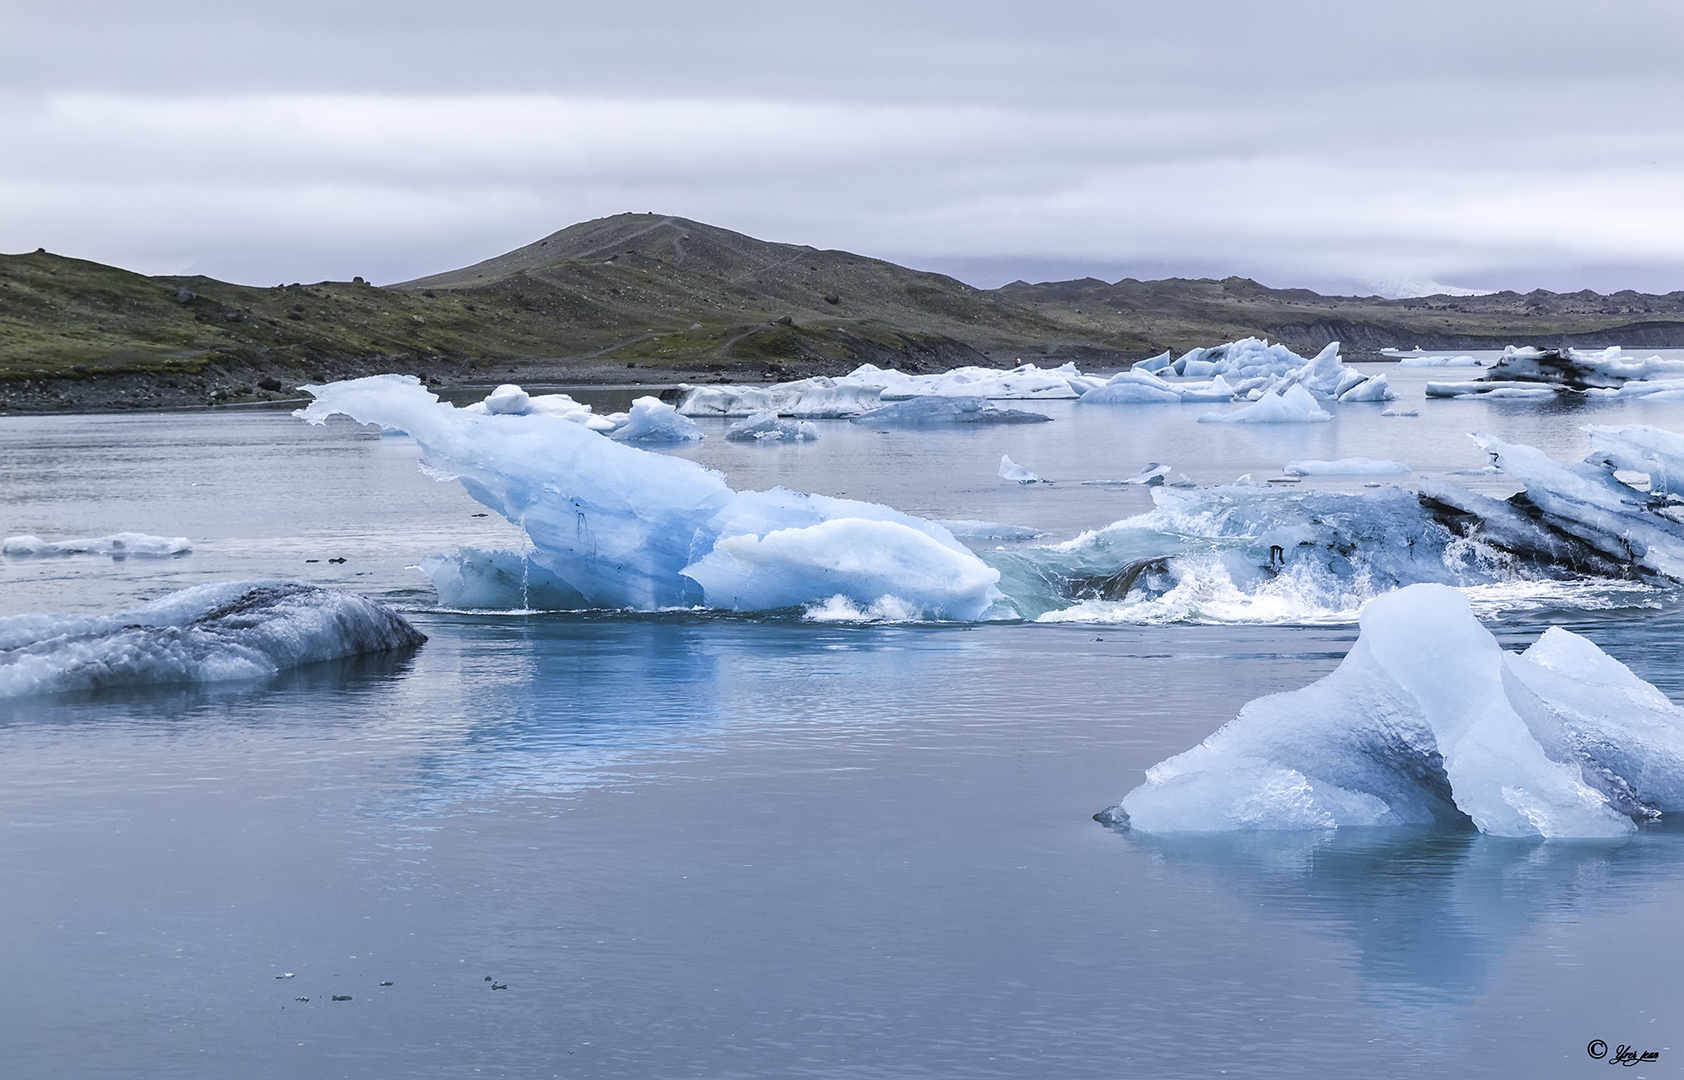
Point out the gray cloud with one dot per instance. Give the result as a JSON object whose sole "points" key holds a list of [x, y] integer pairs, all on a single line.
{"points": [[1316, 144]]}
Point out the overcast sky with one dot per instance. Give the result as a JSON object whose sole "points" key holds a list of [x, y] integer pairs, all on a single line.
{"points": [[1339, 146]]}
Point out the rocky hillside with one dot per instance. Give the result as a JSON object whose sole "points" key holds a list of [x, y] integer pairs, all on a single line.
{"points": [[640, 297]]}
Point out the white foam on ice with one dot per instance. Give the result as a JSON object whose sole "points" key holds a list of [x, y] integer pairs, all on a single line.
{"points": [[209, 633], [1428, 721], [625, 528], [117, 545]]}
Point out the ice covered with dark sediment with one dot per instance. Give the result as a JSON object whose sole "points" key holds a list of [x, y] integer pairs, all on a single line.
{"points": [[1427, 721], [209, 633]]}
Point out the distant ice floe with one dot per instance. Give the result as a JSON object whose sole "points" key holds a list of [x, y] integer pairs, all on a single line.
{"points": [[209, 633], [118, 545], [867, 387], [1346, 467], [1283, 386], [928, 411], [1543, 373], [1608, 532], [1428, 721], [614, 526]]}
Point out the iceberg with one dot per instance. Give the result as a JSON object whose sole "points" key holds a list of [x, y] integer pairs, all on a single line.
{"points": [[768, 427], [209, 633], [1137, 387], [805, 399], [1246, 358], [1438, 361], [118, 546], [1427, 721], [1011, 470], [511, 400], [925, 411], [615, 526], [1294, 406], [653, 420], [1026, 381]]}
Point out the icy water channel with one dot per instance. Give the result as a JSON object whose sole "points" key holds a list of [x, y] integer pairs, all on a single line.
{"points": [[705, 846]]}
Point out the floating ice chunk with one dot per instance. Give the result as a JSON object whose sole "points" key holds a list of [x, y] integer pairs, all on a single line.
{"points": [[925, 411], [511, 400], [210, 633], [1021, 382], [815, 398], [1295, 406], [507, 399], [1373, 388], [1401, 412], [654, 421], [118, 545], [1483, 388], [1426, 721], [850, 558], [1439, 361], [624, 528], [1011, 470], [1135, 387], [1151, 475], [973, 531], [767, 427], [1346, 467], [1155, 363]]}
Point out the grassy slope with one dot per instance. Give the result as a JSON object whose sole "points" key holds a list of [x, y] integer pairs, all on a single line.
{"points": [[663, 292]]}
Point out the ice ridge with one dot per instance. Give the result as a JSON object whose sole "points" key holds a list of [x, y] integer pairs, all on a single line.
{"points": [[1427, 721], [615, 526], [209, 633]]}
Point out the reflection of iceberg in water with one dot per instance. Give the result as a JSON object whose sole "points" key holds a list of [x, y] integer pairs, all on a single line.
{"points": [[1432, 914]]}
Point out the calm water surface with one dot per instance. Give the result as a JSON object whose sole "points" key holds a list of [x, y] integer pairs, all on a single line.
{"points": [[694, 846]]}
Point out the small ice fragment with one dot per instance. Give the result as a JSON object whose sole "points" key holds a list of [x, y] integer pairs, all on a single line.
{"points": [[1346, 467], [1011, 470]]}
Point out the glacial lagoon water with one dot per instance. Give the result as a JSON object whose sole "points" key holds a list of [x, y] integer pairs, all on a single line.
{"points": [[694, 845]]}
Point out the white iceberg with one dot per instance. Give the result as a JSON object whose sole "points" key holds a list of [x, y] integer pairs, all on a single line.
{"points": [[769, 427], [511, 400], [209, 633], [810, 399], [1428, 721], [1026, 381], [652, 420], [117, 545], [1434, 361], [1294, 406], [1011, 470], [621, 527]]}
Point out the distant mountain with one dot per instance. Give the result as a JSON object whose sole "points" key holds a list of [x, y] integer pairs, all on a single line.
{"points": [[655, 298]]}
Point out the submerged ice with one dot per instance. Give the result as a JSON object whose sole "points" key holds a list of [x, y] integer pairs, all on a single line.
{"points": [[613, 526], [209, 633], [1428, 721]]}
